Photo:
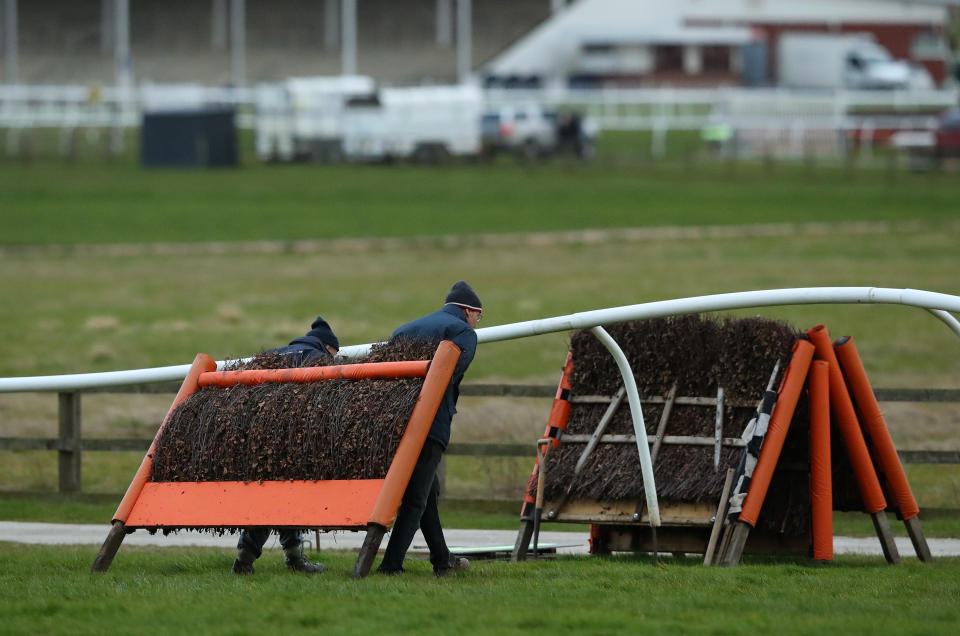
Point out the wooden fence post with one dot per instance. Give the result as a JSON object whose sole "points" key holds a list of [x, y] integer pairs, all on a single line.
{"points": [[68, 447]]}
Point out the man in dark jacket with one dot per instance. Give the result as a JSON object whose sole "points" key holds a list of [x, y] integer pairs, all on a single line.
{"points": [[320, 343], [455, 321]]}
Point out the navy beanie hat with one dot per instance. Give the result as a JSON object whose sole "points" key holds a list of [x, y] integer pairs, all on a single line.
{"points": [[322, 331], [463, 295]]}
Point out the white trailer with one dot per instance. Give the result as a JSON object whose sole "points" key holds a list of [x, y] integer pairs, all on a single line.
{"points": [[426, 124], [302, 117], [836, 60]]}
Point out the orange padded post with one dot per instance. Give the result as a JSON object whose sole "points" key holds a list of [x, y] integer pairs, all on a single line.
{"points": [[367, 371], [886, 453], [118, 528], [434, 385], [872, 420], [821, 484], [790, 388], [201, 364], [846, 418], [556, 424]]}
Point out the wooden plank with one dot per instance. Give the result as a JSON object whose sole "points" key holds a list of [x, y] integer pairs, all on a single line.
{"points": [[660, 399], [601, 427], [887, 544], [692, 539], [929, 456], [624, 512], [917, 395], [718, 430], [689, 440], [919, 540], [28, 443], [719, 517], [662, 425]]}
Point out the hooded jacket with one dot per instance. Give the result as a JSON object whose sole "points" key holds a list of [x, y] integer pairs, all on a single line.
{"points": [[447, 323], [304, 350]]}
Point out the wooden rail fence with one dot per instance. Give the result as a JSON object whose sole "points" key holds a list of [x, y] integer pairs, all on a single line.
{"points": [[70, 444]]}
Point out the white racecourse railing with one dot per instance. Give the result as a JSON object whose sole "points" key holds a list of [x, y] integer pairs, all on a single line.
{"points": [[655, 109], [940, 305]]}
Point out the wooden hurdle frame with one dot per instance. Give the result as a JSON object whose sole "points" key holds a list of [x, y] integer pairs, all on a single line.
{"points": [[366, 504]]}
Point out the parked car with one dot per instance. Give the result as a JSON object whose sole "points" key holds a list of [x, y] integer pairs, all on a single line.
{"points": [[929, 148], [946, 138], [531, 131]]}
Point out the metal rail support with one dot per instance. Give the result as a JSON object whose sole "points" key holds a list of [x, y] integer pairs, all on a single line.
{"points": [[639, 429]]}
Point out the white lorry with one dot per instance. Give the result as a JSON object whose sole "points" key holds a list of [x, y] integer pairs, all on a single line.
{"points": [[301, 118], [809, 60], [426, 124]]}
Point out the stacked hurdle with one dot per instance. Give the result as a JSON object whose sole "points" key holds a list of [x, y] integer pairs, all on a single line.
{"points": [[832, 371], [365, 504]]}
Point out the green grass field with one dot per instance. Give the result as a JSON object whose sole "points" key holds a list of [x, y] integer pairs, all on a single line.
{"points": [[106, 267], [191, 590]]}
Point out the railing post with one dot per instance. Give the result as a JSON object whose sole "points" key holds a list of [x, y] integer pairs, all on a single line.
{"points": [[68, 448]]}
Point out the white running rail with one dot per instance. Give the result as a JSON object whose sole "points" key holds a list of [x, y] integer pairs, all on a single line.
{"points": [[940, 305]]}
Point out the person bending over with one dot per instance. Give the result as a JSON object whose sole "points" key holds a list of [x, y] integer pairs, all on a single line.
{"points": [[319, 343]]}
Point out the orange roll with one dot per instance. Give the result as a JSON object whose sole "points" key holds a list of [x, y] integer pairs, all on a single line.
{"points": [[365, 371], [872, 419], [821, 485], [841, 407]]}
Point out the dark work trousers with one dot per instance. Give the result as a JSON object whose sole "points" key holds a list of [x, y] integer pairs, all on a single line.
{"points": [[253, 539], [419, 510]]}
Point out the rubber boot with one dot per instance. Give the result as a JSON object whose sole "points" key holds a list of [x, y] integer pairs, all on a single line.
{"points": [[298, 563], [244, 562], [456, 564]]}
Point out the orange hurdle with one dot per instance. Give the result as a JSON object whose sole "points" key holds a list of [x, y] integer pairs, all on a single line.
{"points": [[885, 452], [369, 504]]}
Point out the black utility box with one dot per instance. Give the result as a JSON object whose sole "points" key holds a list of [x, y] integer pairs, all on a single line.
{"points": [[188, 138]]}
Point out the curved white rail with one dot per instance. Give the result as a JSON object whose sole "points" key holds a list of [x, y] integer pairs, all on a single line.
{"points": [[936, 303], [639, 429]]}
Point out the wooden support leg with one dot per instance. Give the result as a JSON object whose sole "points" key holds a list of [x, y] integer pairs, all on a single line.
{"points": [[882, 525], [738, 539], [523, 541], [724, 544], [368, 551], [919, 540], [718, 519], [109, 548]]}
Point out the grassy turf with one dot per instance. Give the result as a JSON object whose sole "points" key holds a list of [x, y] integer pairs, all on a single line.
{"points": [[88, 203], [68, 312], [180, 590]]}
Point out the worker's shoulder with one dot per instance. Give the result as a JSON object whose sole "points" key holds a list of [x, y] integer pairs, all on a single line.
{"points": [[439, 324]]}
